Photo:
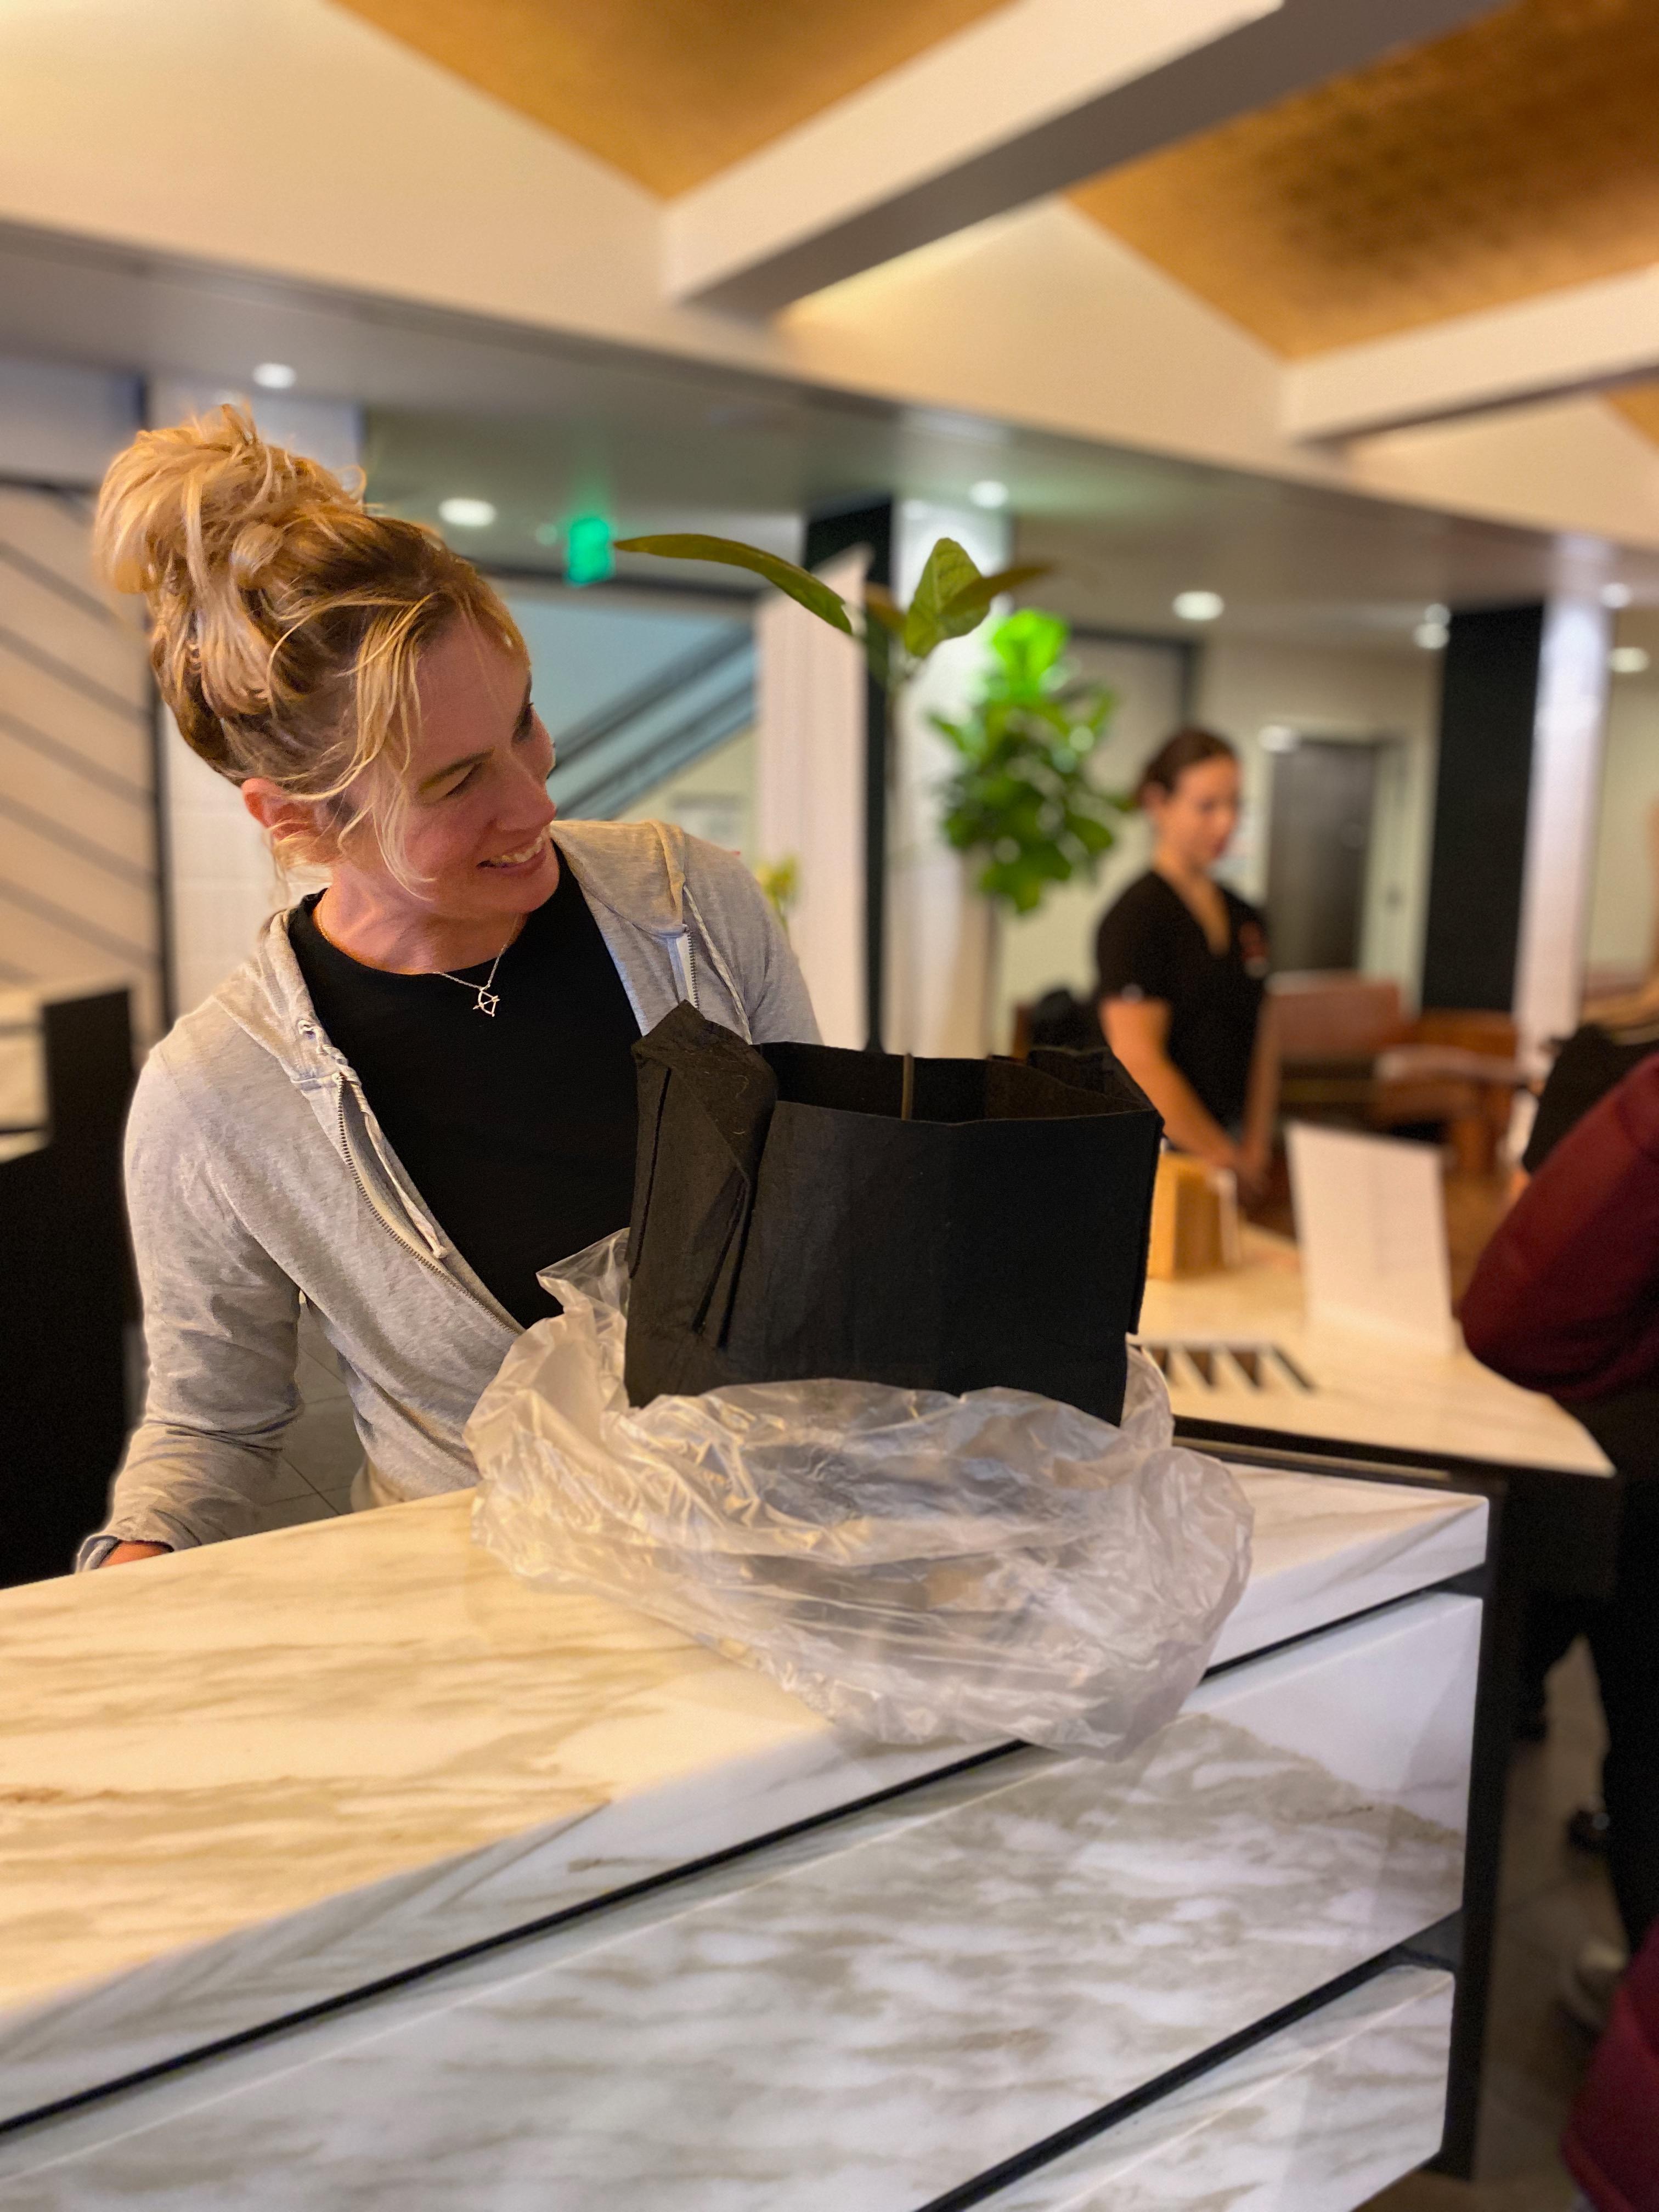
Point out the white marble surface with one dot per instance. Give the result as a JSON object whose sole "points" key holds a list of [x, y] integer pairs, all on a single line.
{"points": [[242, 1780], [1317, 2118], [1369, 1388], [871, 2013], [1324, 1548]]}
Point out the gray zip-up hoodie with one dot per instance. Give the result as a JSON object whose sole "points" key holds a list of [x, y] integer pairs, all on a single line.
{"points": [[256, 1171]]}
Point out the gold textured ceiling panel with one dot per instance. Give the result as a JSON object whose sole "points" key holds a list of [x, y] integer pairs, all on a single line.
{"points": [[1516, 156], [1639, 405], [671, 91]]}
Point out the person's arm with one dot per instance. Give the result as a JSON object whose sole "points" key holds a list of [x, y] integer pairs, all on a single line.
{"points": [[1261, 1099], [1138, 1030], [1566, 1296], [220, 1330]]}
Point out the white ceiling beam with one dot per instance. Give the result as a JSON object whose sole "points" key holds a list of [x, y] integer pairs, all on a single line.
{"points": [[1036, 98], [1576, 339]]}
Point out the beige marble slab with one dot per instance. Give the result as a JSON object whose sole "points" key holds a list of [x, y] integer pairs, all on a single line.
{"points": [[244, 1779], [1369, 1388]]}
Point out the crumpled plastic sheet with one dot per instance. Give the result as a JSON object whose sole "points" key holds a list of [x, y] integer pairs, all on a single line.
{"points": [[912, 1565]]}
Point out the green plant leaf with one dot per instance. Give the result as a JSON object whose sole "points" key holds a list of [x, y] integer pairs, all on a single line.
{"points": [[975, 599], [806, 590], [948, 571]]}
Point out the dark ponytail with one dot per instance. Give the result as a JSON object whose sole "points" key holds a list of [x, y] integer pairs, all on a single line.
{"points": [[1184, 750]]}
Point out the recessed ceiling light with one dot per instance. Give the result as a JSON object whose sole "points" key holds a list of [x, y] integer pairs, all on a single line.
{"points": [[1628, 660], [274, 376], [467, 514], [989, 491], [1616, 595], [1432, 636], [1437, 613], [1199, 606], [548, 533]]}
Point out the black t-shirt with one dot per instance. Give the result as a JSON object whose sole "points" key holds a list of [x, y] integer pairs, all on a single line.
{"points": [[1152, 946], [1589, 1065], [517, 1128]]}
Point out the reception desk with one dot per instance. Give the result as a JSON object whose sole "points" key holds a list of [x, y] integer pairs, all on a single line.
{"points": [[340, 1869]]}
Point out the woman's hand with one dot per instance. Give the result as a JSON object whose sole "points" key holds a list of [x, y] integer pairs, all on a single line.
{"points": [[123, 1553], [1252, 1165]]}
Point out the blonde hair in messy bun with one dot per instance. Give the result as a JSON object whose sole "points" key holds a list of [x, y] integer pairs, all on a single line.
{"points": [[287, 621]]}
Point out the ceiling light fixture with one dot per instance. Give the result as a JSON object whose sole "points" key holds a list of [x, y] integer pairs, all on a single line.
{"points": [[1616, 595], [276, 376], [989, 491], [1629, 660], [1199, 606], [1439, 612], [548, 533], [1432, 636], [467, 514]]}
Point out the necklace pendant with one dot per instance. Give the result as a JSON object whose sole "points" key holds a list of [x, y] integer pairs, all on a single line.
{"points": [[486, 1002]]}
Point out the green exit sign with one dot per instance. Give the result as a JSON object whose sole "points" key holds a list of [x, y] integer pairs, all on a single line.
{"points": [[588, 558]]}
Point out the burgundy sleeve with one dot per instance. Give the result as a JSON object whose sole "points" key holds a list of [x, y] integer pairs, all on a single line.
{"points": [[1566, 1296]]}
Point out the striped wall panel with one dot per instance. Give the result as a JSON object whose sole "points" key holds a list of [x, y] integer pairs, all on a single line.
{"points": [[78, 891]]}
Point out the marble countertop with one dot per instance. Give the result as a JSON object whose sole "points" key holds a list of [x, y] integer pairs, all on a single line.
{"points": [[1368, 1387], [241, 1780], [884, 2007]]}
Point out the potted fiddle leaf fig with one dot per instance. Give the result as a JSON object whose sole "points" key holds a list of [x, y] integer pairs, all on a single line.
{"points": [[1021, 795]]}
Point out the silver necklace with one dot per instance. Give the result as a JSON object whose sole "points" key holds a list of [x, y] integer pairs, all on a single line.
{"points": [[485, 1001]]}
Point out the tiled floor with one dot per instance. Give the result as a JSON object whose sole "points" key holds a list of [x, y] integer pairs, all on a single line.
{"points": [[1552, 1897]]}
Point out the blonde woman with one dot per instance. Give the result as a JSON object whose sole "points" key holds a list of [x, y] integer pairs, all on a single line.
{"points": [[419, 1089]]}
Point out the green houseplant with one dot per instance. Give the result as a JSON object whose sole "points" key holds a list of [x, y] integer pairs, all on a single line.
{"points": [[1021, 794]]}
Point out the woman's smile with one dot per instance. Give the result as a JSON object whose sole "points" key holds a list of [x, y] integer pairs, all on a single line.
{"points": [[522, 860]]}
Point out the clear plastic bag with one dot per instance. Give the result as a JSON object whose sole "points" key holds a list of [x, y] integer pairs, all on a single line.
{"points": [[911, 1565]]}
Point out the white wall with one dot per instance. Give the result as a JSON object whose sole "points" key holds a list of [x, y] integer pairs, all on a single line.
{"points": [[78, 901], [1622, 917], [60, 424], [1247, 687], [810, 765], [941, 940], [77, 813], [714, 798], [1569, 727]]}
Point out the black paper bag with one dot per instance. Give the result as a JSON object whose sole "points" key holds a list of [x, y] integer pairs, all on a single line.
{"points": [[802, 1211]]}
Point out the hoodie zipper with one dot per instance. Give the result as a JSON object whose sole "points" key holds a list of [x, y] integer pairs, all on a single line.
{"points": [[408, 1244]]}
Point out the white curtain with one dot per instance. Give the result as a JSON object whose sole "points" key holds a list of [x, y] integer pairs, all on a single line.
{"points": [[809, 791], [941, 942], [1569, 729]]}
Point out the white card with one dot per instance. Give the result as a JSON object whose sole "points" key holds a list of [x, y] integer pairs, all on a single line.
{"points": [[1370, 1222]]}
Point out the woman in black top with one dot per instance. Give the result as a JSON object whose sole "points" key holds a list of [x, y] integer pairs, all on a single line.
{"points": [[1183, 966]]}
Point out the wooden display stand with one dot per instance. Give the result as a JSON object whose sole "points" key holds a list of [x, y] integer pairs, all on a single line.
{"points": [[1195, 1219]]}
